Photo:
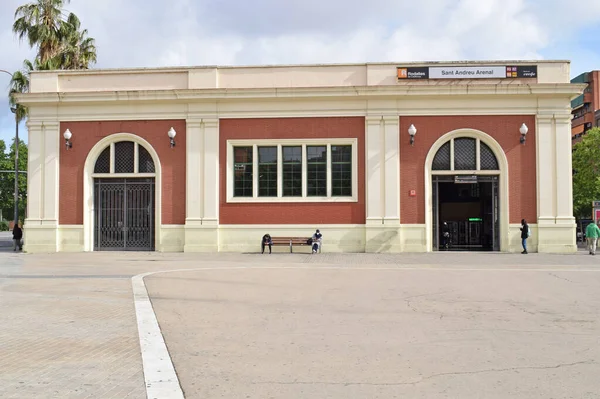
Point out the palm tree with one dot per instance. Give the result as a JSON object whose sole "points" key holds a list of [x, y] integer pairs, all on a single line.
{"points": [[60, 42], [77, 51], [40, 22], [20, 84]]}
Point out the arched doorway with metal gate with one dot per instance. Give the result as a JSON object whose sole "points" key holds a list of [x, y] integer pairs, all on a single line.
{"points": [[124, 192], [467, 199]]}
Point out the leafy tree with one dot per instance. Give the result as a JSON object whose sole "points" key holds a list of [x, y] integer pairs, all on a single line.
{"points": [[7, 180], [586, 173]]}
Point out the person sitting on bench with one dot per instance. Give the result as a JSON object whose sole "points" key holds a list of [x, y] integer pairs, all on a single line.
{"points": [[316, 241], [266, 240]]}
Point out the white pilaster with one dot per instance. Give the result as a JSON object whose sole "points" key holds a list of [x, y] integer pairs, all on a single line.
{"points": [[202, 195], [41, 225], [375, 169], [546, 169], [35, 173], [564, 171], [51, 173], [211, 172], [194, 141], [392, 170]]}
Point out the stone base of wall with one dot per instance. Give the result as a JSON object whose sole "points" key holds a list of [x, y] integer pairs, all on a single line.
{"points": [[557, 238]]}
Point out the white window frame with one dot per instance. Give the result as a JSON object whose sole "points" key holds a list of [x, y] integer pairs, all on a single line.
{"points": [[285, 143], [113, 174]]}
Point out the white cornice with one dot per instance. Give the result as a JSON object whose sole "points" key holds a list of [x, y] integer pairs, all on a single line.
{"points": [[363, 92]]}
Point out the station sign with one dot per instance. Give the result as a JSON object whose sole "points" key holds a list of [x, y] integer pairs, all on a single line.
{"points": [[469, 72], [465, 179]]}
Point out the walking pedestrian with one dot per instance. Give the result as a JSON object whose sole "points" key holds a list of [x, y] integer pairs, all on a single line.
{"points": [[17, 237], [592, 232]]}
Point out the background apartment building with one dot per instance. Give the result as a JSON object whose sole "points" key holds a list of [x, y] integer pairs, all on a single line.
{"points": [[585, 107]]}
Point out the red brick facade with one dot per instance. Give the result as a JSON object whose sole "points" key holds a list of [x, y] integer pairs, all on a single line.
{"points": [[315, 213], [504, 129], [87, 134]]}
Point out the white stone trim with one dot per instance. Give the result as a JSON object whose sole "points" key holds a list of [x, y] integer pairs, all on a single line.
{"points": [[363, 92], [88, 185], [502, 172], [290, 142], [391, 169]]}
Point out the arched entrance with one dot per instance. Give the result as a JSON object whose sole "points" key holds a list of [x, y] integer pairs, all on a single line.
{"points": [[467, 194], [123, 200]]}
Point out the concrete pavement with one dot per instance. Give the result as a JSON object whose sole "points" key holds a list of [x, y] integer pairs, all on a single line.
{"points": [[299, 326], [416, 330]]}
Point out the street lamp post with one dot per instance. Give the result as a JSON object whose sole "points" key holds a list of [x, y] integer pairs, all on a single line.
{"points": [[14, 111]]}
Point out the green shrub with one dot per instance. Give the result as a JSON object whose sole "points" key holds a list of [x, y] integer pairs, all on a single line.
{"points": [[3, 225]]}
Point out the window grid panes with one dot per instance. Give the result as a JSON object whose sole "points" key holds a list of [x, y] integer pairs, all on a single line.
{"points": [[464, 154], [341, 170], [145, 162], [103, 162], [243, 169], [267, 171], [488, 160], [316, 179], [292, 171], [441, 161], [124, 157]]}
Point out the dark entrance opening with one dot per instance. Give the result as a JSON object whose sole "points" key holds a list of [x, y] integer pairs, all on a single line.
{"points": [[465, 213], [124, 214]]}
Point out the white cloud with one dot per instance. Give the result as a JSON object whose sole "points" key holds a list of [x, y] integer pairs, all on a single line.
{"points": [[195, 32]]}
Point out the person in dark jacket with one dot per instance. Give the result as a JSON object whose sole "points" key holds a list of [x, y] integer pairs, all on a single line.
{"points": [[446, 235], [266, 240], [17, 237], [524, 235]]}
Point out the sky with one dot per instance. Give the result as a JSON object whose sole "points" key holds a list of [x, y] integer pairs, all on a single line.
{"points": [[154, 33]]}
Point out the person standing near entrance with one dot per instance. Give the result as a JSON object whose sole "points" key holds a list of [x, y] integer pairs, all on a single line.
{"points": [[525, 233], [17, 237], [592, 232], [446, 235]]}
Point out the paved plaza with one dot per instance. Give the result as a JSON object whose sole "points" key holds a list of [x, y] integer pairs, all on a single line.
{"points": [[300, 326]]}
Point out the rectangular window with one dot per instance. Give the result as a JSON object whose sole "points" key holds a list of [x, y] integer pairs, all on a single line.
{"points": [[316, 173], [341, 170], [244, 171], [292, 171], [267, 171]]}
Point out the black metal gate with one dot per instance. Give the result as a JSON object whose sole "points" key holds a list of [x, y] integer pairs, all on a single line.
{"points": [[124, 214]]}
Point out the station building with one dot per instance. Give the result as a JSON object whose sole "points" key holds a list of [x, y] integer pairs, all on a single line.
{"points": [[377, 156]]}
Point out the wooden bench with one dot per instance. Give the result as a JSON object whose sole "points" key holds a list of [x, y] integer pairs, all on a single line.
{"points": [[291, 241]]}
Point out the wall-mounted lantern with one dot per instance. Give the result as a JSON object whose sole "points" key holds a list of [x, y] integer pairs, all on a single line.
{"points": [[67, 135], [523, 130], [412, 131], [172, 133]]}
